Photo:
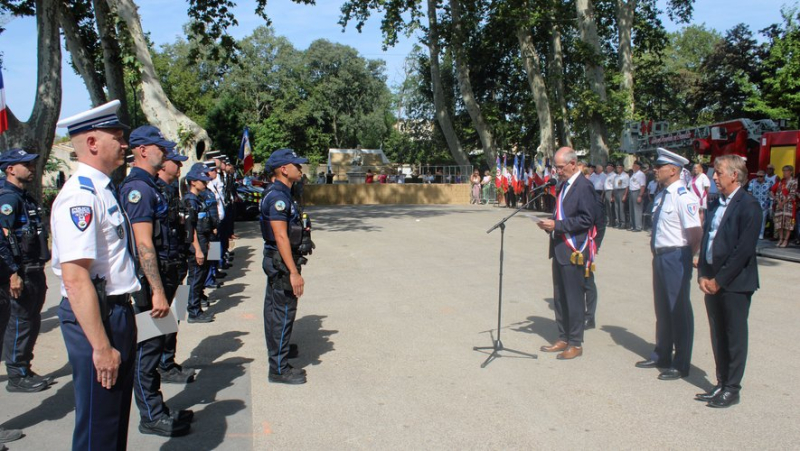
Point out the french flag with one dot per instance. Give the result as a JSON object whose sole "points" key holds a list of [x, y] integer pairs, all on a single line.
{"points": [[246, 152], [3, 112]]}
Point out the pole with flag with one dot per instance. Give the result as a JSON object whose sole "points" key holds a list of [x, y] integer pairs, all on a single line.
{"points": [[246, 152], [515, 175], [497, 182], [3, 112]]}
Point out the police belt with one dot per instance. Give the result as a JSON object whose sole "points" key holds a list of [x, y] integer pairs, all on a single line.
{"points": [[119, 299], [170, 264], [664, 250], [31, 267]]}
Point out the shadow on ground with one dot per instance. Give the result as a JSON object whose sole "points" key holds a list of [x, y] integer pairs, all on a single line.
{"points": [[355, 218], [312, 340]]}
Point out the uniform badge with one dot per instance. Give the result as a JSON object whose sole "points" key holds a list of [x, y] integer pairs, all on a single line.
{"points": [[81, 216], [280, 205], [692, 209], [134, 197], [120, 231], [6, 209]]}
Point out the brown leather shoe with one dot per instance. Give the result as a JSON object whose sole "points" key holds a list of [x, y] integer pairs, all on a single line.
{"points": [[556, 347], [570, 353]]}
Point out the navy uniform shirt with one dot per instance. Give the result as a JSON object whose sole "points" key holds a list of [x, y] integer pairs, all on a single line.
{"points": [[20, 214], [210, 200], [143, 202], [198, 219], [277, 205], [175, 235]]}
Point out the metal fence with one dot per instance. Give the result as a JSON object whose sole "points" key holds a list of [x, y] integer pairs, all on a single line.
{"points": [[444, 174]]}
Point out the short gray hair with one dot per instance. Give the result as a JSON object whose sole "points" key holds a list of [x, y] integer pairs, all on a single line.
{"points": [[732, 163]]}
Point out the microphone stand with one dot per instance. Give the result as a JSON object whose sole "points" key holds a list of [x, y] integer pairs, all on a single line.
{"points": [[497, 345]]}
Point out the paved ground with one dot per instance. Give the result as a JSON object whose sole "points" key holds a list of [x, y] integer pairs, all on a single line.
{"points": [[396, 298]]}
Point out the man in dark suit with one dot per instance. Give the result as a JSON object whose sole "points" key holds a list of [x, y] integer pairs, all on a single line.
{"points": [[572, 232], [728, 275]]}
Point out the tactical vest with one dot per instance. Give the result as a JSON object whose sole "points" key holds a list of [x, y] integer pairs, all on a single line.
{"points": [[29, 235]]}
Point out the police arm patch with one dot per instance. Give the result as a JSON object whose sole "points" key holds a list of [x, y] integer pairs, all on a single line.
{"points": [[6, 209], [692, 209], [280, 205], [81, 216], [134, 197]]}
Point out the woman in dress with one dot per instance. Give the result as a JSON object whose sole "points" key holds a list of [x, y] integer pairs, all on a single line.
{"points": [[784, 195], [475, 180]]}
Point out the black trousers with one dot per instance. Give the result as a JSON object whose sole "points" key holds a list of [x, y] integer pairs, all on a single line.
{"points": [[197, 283], [101, 415], [147, 381], [24, 323], [174, 277], [280, 310], [5, 310], [727, 317], [672, 274], [569, 292], [591, 297]]}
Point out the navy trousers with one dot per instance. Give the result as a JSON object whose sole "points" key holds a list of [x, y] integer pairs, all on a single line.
{"points": [[197, 282], [672, 274], [569, 294], [280, 309], [5, 310], [727, 318], [173, 280], [24, 323], [101, 415], [591, 297]]}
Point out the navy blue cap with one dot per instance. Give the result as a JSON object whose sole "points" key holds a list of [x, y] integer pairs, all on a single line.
{"points": [[173, 155], [148, 135], [198, 171], [283, 157], [15, 156]]}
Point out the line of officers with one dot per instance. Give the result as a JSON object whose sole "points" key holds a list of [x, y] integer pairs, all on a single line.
{"points": [[119, 251]]}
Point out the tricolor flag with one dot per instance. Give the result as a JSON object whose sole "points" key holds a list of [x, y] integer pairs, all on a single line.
{"points": [[505, 174], [515, 175], [497, 182], [523, 179], [246, 152], [3, 113]]}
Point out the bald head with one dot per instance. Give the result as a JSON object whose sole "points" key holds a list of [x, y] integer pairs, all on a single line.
{"points": [[565, 160]]}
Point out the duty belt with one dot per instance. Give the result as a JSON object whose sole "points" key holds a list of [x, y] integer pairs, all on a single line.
{"points": [[664, 250], [119, 299]]}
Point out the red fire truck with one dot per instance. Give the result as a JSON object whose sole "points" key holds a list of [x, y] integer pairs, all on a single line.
{"points": [[761, 142]]}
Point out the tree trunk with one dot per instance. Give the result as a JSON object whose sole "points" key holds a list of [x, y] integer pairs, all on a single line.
{"points": [[442, 114], [557, 75], [158, 109], [464, 84], [625, 12], [81, 58], [596, 77], [37, 134], [112, 58], [533, 66]]}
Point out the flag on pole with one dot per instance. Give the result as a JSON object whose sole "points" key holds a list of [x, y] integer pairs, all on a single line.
{"points": [[523, 180], [497, 182], [3, 113], [246, 152], [505, 173], [515, 175]]}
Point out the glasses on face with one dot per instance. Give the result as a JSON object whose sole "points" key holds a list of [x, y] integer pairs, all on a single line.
{"points": [[560, 167]]}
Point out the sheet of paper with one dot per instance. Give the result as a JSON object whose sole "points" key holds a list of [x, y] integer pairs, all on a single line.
{"points": [[214, 251], [533, 218], [149, 327], [180, 303]]}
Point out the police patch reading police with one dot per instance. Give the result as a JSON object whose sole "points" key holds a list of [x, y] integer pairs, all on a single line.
{"points": [[81, 216]]}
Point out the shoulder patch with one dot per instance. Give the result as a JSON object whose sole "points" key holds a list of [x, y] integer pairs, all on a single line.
{"points": [[134, 197], [682, 190], [280, 205], [6, 209], [86, 183], [81, 216], [692, 209]]}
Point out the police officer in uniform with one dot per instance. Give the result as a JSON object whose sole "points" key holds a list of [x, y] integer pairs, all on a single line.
{"points": [[8, 266], [22, 222], [214, 200], [287, 239], [675, 240], [175, 264], [91, 256], [199, 228], [147, 210]]}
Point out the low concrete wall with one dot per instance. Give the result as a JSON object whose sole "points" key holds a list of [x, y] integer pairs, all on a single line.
{"points": [[377, 194]]}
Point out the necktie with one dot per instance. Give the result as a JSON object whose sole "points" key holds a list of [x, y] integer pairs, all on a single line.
{"points": [[656, 213], [560, 199]]}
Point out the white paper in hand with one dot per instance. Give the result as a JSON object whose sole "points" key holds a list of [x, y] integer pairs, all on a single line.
{"points": [[149, 327], [214, 251], [180, 303], [533, 218]]}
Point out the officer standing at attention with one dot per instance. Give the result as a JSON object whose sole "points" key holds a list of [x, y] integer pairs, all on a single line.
{"points": [[147, 209], [286, 240], [212, 195], [91, 256], [175, 265], [22, 222], [675, 240], [199, 229], [8, 266]]}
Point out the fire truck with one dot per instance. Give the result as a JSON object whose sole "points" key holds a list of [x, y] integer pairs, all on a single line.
{"points": [[761, 142]]}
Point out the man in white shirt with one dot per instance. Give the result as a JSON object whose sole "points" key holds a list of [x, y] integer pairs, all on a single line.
{"points": [[608, 195], [636, 192], [621, 182]]}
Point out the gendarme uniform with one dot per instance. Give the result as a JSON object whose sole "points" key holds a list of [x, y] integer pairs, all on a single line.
{"points": [[21, 217], [88, 224], [675, 210], [199, 222], [280, 303]]}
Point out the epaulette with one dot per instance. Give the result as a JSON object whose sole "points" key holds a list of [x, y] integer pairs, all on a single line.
{"points": [[682, 190], [86, 183]]}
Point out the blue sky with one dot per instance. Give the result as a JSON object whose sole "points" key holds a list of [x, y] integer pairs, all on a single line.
{"points": [[301, 24]]}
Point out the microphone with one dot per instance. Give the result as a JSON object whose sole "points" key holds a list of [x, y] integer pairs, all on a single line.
{"points": [[551, 182]]}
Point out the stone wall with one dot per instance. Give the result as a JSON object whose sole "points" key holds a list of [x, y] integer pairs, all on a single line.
{"points": [[378, 194]]}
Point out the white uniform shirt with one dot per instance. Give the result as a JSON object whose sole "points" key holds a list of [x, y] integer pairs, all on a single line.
{"points": [[609, 183], [679, 211], [87, 223], [638, 181], [621, 181], [598, 180], [217, 187]]}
